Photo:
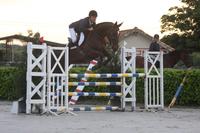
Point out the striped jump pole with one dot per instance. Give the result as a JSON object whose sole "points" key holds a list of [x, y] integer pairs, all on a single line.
{"points": [[179, 89], [88, 108], [93, 94], [80, 88], [98, 108], [94, 83], [106, 75]]}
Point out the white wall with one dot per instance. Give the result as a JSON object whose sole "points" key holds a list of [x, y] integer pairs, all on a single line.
{"points": [[137, 41]]}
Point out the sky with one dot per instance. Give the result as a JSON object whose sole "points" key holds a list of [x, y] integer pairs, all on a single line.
{"points": [[52, 17]]}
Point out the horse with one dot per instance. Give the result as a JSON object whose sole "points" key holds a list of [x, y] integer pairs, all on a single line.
{"points": [[103, 36]]}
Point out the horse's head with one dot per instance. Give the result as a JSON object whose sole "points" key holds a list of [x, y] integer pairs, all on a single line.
{"points": [[110, 31], [113, 35]]}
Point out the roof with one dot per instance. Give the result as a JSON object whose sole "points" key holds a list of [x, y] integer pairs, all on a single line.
{"points": [[30, 39], [128, 32]]}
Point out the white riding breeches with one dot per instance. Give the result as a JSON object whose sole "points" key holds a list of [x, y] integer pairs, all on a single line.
{"points": [[73, 35], [81, 39]]}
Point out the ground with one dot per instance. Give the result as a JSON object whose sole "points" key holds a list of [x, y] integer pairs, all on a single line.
{"points": [[178, 120]]}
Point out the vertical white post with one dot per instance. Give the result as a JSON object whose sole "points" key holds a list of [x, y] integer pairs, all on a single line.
{"points": [[28, 78], [44, 66], [123, 78], [66, 78], [161, 81], [133, 71], [146, 80], [154, 98], [150, 93], [36, 67], [49, 101], [128, 89], [157, 91]]}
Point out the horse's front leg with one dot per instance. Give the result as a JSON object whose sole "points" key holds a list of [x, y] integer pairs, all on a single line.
{"points": [[109, 57], [99, 58]]}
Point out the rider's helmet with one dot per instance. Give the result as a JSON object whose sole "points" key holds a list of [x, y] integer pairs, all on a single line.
{"points": [[92, 13]]}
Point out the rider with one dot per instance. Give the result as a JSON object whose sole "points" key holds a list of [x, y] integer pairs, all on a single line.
{"points": [[79, 28]]}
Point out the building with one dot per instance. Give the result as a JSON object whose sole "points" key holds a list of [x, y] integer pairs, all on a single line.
{"points": [[12, 47], [21, 40], [140, 40]]}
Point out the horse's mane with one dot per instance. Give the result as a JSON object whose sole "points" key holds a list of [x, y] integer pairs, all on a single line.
{"points": [[100, 28], [103, 25]]}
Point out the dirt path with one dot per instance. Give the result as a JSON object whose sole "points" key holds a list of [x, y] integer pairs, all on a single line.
{"points": [[177, 121]]}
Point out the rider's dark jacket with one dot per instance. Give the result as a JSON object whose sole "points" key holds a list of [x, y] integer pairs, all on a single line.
{"points": [[82, 25]]}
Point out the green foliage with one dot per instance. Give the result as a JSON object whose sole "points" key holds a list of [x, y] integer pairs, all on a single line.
{"points": [[191, 89], [175, 40], [12, 83], [196, 58], [16, 54], [19, 53], [182, 24], [190, 94]]}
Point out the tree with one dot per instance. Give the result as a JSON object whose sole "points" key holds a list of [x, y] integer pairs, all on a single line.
{"points": [[35, 36], [182, 24], [30, 32]]}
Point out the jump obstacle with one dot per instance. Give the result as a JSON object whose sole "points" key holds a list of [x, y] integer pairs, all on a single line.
{"points": [[48, 80], [80, 88]]}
